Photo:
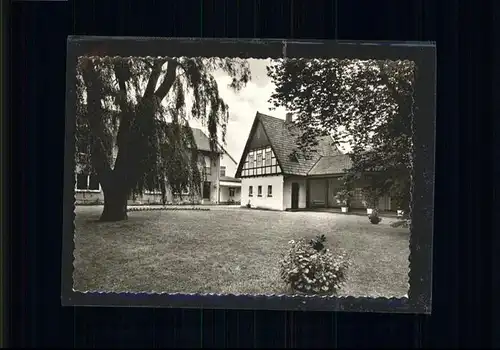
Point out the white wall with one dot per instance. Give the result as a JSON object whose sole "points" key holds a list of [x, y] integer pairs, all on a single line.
{"points": [[275, 202], [287, 192], [231, 166]]}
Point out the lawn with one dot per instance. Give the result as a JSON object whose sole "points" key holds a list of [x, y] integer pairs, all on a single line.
{"points": [[229, 251]]}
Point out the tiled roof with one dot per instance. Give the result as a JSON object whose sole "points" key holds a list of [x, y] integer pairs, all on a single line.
{"points": [[283, 138], [229, 179], [331, 165], [202, 140]]}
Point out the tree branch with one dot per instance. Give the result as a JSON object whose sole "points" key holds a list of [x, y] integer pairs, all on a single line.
{"points": [[153, 78], [168, 81], [122, 73]]}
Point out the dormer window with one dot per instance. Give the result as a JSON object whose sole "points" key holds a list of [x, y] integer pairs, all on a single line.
{"points": [[294, 157]]}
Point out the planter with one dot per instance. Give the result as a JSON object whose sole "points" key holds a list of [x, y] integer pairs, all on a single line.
{"points": [[344, 209], [400, 213], [369, 211]]}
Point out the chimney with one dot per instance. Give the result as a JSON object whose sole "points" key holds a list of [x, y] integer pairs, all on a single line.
{"points": [[288, 117]]}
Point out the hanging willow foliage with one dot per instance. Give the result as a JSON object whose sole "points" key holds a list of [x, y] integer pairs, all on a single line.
{"points": [[133, 117]]}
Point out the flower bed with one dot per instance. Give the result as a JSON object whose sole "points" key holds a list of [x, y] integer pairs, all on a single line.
{"points": [[143, 208]]}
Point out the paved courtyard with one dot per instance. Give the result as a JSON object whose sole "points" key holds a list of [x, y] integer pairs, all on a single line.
{"points": [[229, 250]]}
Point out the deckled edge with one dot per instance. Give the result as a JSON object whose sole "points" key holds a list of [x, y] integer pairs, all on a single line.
{"points": [[411, 242], [367, 301], [182, 294]]}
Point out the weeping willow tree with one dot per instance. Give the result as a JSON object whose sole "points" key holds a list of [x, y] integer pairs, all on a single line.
{"points": [[133, 119]]}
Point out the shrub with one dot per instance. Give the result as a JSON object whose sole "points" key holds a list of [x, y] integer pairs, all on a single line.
{"points": [[343, 197], [371, 196], [374, 218], [309, 267], [402, 223]]}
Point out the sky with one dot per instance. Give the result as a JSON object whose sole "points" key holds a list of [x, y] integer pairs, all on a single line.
{"points": [[243, 105]]}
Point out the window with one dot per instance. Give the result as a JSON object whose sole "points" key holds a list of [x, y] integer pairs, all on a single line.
{"points": [[185, 191], [260, 162], [208, 166], [86, 182], [269, 191], [231, 191], [259, 159], [250, 191], [208, 162], [222, 171], [259, 191], [268, 157]]}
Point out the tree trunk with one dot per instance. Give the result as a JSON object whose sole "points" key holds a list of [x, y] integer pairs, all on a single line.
{"points": [[115, 205]]}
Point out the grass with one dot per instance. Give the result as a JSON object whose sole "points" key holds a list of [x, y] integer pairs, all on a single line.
{"points": [[229, 251]]}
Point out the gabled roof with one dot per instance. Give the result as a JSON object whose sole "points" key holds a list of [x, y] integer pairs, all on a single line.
{"points": [[203, 143], [202, 140], [223, 150], [283, 139]]}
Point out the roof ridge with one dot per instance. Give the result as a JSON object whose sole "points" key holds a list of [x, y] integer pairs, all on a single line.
{"points": [[270, 116]]}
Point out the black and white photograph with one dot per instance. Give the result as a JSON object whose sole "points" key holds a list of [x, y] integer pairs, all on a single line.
{"points": [[242, 176]]}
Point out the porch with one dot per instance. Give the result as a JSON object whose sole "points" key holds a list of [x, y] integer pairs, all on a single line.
{"points": [[321, 191], [229, 190]]}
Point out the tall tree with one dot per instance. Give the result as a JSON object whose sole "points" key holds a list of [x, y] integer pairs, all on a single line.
{"points": [[123, 105], [367, 104]]}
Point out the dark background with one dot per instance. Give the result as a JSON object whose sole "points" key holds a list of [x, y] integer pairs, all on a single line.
{"points": [[462, 293]]}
